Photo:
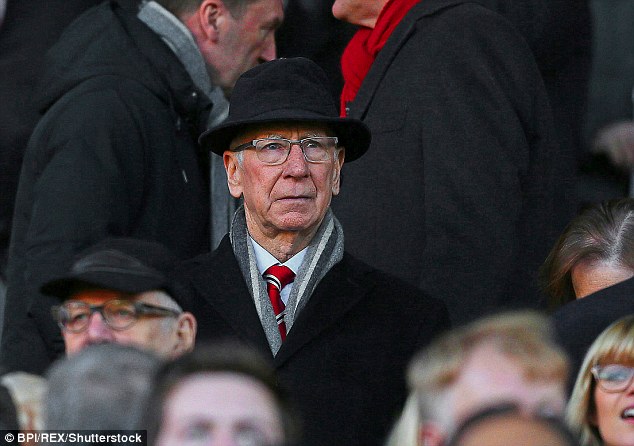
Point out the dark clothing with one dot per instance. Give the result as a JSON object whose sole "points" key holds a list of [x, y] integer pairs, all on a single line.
{"points": [[578, 323], [559, 32], [455, 193], [344, 358], [115, 154]]}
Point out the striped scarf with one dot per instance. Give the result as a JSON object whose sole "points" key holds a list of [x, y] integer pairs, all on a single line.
{"points": [[324, 251]]}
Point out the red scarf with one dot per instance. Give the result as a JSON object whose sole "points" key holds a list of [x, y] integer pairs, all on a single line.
{"points": [[364, 46]]}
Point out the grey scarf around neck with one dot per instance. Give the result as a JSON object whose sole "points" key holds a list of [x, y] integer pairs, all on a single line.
{"points": [[324, 251]]}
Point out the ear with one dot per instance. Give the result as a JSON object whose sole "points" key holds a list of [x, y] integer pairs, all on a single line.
{"points": [[336, 174], [210, 14], [431, 434], [234, 173], [185, 334]]}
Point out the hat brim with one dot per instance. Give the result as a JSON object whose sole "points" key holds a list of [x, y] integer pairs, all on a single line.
{"points": [[119, 281], [353, 134]]}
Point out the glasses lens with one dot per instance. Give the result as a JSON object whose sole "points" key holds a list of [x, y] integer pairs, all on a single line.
{"points": [[318, 149], [74, 316], [614, 377], [272, 151], [119, 314]]}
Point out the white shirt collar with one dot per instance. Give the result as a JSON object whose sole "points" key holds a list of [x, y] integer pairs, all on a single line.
{"points": [[265, 259]]}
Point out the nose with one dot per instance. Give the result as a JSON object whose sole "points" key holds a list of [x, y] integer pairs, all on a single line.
{"points": [[98, 330], [296, 164], [269, 51]]}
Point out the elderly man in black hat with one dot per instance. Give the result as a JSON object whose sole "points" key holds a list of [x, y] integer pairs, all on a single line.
{"points": [[118, 290], [338, 332]]}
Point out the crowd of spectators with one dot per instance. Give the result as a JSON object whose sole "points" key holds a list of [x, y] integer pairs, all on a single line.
{"points": [[299, 223]]}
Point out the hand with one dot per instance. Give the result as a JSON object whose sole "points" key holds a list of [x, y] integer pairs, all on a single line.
{"points": [[617, 141]]}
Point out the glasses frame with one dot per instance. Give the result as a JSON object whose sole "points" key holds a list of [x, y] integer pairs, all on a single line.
{"points": [[596, 370], [299, 142], [140, 309]]}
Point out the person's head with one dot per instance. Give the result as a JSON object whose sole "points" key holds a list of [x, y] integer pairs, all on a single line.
{"points": [[27, 392], [601, 407], [503, 426], [103, 387], [232, 35], [506, 358], [358, 12], [596, 250], [118, 290], [287, 185], [218, 394]]}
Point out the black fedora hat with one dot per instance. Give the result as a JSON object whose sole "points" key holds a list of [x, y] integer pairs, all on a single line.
{"points": [[122, 264], [286, 90]]}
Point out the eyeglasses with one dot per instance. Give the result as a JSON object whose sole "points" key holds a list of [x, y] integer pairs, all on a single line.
{"points": [[274, 151], [613, 377], [74, 316]]}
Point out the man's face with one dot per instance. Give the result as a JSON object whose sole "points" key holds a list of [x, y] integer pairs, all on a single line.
{"points": [[154, 333], [489, 378], [244, 42], [358, 12], [291, 197], [220, 409]]}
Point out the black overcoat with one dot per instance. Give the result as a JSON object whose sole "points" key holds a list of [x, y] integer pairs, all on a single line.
{"points": [[114, 154], [344, 359], [455, 194]]}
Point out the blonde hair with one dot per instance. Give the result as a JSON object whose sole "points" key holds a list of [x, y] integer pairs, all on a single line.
{"points": [[614, 345], [524, 336]]}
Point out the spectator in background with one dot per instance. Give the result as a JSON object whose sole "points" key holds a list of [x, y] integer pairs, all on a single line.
{"points": [[118, 291], [609, 130], [578, 323], [507, 426], [601, 407], [503, 359], [595, 251], [223, 394], [27, 396], [138, 89], [463, 152], [339, 333], [104, 387]]}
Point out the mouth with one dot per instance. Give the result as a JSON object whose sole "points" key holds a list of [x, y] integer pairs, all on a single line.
{"points": [[628, 414]]}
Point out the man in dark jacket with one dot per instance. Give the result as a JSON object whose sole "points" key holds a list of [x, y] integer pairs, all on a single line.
{"points": [[338, 332], [124, 98], [455, 193]]}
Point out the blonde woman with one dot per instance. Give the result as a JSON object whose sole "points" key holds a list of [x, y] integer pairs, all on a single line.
{"points": [[601, 407]]}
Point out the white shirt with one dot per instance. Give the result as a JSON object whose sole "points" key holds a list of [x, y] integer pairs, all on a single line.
{"points": [[264, 260]]}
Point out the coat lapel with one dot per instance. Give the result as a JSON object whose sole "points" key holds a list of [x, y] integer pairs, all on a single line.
{"points": [[224, 288], [362, 101], [336, 294]]}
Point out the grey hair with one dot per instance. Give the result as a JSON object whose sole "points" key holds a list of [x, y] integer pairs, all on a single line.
{"points": [[103, 387]]}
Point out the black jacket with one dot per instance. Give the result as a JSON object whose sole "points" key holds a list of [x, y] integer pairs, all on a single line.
{"points": [[455, 193], [343, 361], [115, 154]]}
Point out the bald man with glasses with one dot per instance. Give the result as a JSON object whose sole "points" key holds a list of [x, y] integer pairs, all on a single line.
{"points": [[119, 291]]}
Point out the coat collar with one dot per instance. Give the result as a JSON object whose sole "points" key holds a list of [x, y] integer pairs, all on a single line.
{"points": [[221, 284], [359, 106]]}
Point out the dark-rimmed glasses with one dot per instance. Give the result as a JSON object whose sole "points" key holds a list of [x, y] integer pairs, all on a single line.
{"points": [[613, 377], [119, 314], [274, 151]]}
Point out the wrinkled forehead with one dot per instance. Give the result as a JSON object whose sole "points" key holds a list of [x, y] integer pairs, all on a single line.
{"points": [[282, 129]]}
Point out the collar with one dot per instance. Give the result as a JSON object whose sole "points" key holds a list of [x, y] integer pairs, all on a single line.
{"points": [[264, 259]]}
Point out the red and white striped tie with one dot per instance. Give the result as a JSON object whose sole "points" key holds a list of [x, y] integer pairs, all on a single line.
{"points": [[277, 277]]}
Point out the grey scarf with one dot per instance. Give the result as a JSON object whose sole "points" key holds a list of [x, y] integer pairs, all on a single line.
{"points": [[324, 251]]}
